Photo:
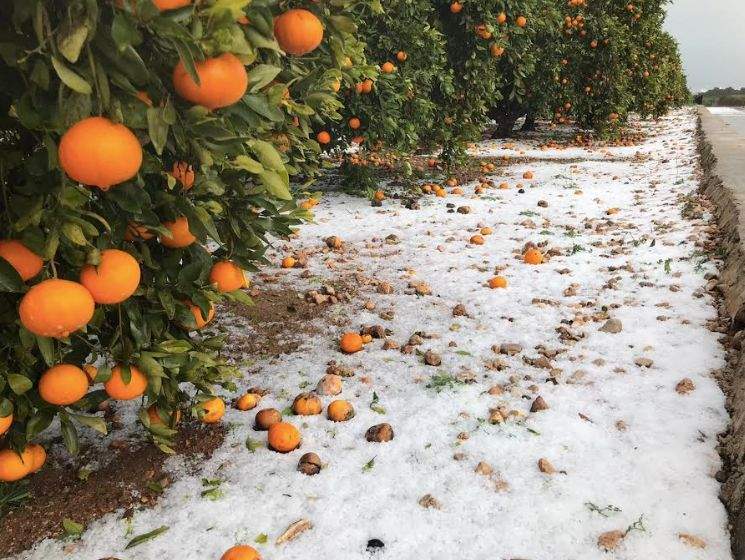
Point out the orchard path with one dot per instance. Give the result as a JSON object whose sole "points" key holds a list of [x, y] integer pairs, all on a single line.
{"points": [[612, 336]]}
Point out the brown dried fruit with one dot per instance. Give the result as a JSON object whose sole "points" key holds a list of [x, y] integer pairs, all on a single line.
{"points": [[309, 464], [538, 405], [610, 540], [545, 466], [379, 433]]}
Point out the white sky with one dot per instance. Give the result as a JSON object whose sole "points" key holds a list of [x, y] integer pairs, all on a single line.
{"points": [[711, 34]]}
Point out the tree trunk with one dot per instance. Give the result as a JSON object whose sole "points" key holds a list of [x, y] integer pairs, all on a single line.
{"points": [[529, 124]]}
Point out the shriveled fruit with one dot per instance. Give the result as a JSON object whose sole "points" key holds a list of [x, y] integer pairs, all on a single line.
{"points": [[498, 282], [307, 404], [350, 342], [63, 384], [533, 256], [247, 401], [14, 467], [211, 411], [227, 276], [5, 423], [38, 457], [241, 552], [223, 81], [114, 279], [340, 411], [117, 389], [298, 31], [379, 433], [180, 236], [200, 320], [266, 418], [528, 175], [309, 464], [283, 437], [329, 384], [56, 308], [98, 152], [184, 174], [26, 263]]}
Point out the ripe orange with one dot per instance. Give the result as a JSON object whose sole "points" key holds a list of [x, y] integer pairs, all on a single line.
{"points": [[164, 5], [5, 423], [91, 372], [118, 390], [350, 342], [241, 552], [476, 240], [354, 123], [199, 319], [283, 437], [340, 411], [498, 282], [298, 31], [323, 137], [401, 56], [379, 196], [211, 411], [367, 86], [180, 235], [307, 404], [99, 152], [184, 174], [533, 256], [501, 18], [114, 279], [38, 456], [248, 401], [27, 263], [336, 86], [56, 308], [223, 80], [521, 21], [227, 276], [288, 262], [137, 232], [156, 416], [528, 175], [456, 7], [63, 384], [14, 466], [388, 68]]}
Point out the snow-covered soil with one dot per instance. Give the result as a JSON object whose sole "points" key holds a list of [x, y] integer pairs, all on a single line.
{"points": [[628, 438]]}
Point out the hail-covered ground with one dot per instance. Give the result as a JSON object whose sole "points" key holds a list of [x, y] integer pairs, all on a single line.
{"points": [[572, 415]]}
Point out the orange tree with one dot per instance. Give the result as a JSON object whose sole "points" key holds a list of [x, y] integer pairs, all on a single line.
{"points": [[145, 161]]}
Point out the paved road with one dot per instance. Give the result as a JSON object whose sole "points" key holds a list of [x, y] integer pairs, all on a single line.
{"points": [[734, 119]]}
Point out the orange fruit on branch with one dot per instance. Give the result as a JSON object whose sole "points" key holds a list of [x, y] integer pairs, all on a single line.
{"points": [[298, 31], [200, 319], [223, 81], [156, 415], [117, 389], [63, 384], [241, 552], [388, 68], [38, 456], [184, 174], [137, 232], [340, 411], [227, 276], [401, 56], [180, 235], [323, 137], [56, 308], [26, 263], [164, 5], [5, 423], [456, 7], [354, 123], [501, 18], [114, 279], [211, 411], [13, 466], [283, 437], [98, 152], [351, 342], [521, 21]]}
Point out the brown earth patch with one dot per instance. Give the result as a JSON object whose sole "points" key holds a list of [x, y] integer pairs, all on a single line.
{"points": [[132, 478]]}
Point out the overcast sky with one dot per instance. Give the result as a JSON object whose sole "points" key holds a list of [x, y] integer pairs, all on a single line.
{"points": [[711, 34]]}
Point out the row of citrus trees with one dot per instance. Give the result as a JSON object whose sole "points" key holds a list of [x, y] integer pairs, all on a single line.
{"points": [[148, 148]]}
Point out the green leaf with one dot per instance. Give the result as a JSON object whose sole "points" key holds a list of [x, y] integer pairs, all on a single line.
{"points": [[275, 185], [261, 539], [71, 42], [10, 281], [124, 31], [157, 128], [248, 164], [343, 23], [94, 422], [261, 74], [69, 434], [267, 154], [72, 528], [72, 80], [19, 384], [46, 347], [74, 233], [139, 539]]}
